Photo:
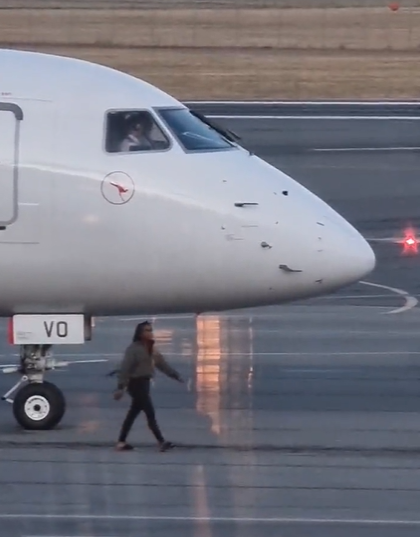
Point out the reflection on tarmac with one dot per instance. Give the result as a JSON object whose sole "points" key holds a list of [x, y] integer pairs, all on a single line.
{"points": [[209, 379], [219, 376]]}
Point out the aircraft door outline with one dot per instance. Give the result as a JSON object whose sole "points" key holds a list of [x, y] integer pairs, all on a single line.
{"points": [[9, 163]]}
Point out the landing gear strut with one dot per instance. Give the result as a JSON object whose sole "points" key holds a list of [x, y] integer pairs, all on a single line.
{"points": [[38, 404]]}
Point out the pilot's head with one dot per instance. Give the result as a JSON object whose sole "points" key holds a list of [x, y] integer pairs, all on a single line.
{"points": [[140, 124]]}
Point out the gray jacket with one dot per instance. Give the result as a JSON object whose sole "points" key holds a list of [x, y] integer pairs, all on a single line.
{"points": [[138, 362]]}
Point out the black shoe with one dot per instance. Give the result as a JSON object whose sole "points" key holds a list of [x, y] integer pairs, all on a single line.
{"points": [[164, 446], [125, 447]]}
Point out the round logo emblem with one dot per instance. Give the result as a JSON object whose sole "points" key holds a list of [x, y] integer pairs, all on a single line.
{"points": [[117, 188]]}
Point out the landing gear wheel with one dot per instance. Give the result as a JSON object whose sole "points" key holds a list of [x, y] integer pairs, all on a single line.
{"points": [[39, 406]]}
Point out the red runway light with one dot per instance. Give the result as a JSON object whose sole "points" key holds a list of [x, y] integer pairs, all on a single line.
{"points": [[410, 242]]}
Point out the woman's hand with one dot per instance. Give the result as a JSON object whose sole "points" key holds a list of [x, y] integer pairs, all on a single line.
{"points": [[118, 394]]}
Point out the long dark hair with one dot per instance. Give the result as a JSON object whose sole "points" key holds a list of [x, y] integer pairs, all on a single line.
{"points": [[138, 332]]}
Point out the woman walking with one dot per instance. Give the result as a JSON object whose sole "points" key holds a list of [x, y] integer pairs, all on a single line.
{"points": [[135, 373]]}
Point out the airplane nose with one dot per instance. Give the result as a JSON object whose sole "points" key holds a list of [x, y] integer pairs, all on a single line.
{"points": [[351, 259], [358, 260]]}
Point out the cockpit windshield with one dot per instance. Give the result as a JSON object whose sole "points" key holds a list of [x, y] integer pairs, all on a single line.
{"points": [[196, 133]]}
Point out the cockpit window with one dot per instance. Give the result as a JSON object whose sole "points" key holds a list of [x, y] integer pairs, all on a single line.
{"points": [[193, 132], [134, 131]]}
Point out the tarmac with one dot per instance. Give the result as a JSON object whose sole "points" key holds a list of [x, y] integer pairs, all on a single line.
{"points": [[295, 421]]}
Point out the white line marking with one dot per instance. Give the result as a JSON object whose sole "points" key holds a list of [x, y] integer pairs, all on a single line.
{"points": [[317, 370], [71, 363], [410, 301], [158, 317], [303, 103], [301, 117], [89, 361], [352, 149], [266, 520], [349, 297], [384, 239], [256, 354]]}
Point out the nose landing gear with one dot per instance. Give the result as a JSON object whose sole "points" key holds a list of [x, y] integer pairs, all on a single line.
{"points": [[38, 404]]}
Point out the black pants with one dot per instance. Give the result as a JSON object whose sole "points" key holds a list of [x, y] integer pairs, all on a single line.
{"points": [[139, 389]]}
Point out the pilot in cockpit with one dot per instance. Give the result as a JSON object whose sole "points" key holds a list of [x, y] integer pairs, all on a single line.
{"points": [[138, 131]]}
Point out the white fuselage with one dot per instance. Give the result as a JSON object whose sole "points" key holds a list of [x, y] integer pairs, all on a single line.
{"points": [[179, 244]]}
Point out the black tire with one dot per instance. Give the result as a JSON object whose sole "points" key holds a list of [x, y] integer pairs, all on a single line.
{"points": [[44, 399]]}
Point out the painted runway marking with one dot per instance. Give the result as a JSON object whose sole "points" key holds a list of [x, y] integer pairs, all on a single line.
{"points": [[350, 297], [311, 118], [410, 301], [362, 149], [256, 354], [60, 363], [238, 520], [303, 103]]}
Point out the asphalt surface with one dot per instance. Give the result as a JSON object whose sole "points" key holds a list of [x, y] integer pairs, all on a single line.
{"points": [[300, 420], [313, 108]]}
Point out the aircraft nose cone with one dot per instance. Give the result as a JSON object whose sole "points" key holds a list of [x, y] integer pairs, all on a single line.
{"points": [[358, 260], [352, 261]]}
